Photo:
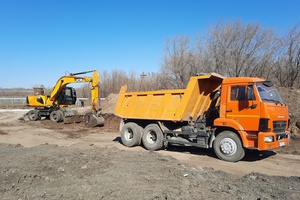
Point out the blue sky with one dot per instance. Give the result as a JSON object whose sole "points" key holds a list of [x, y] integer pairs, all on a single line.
{"points": [[40, 40]]}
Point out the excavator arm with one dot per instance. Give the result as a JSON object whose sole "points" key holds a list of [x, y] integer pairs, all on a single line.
{"points": [[91, 119], [95, 91], [73, 78]]}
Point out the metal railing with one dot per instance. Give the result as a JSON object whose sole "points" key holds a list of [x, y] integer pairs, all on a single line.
{"points": [[21, 101]]}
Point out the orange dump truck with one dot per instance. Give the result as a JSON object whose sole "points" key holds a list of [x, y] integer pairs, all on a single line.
{"points": [[229, 115]]}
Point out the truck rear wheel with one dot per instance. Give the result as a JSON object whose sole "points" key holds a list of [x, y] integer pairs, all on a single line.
{"points": [[131, 134], [56, 116], [228, 147], [33, 115], [153, 137]]}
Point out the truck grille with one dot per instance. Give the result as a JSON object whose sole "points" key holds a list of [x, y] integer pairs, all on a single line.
{"points": [[279, 126]]}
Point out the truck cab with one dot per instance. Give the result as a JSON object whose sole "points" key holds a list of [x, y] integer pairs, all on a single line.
{"points": [[256, 111]]}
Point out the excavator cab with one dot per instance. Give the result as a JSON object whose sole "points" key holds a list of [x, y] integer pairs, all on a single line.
{"points": [[67, 96]]}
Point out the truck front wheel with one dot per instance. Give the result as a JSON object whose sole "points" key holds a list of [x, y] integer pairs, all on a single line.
{"points": [[228, 147], [131, 134], [153, 137]]}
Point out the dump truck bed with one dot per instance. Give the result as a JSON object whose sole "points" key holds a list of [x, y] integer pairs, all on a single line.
{"points": [[174, 105]]}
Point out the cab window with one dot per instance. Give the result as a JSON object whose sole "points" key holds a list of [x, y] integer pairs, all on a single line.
{"points": [[242, 93]]}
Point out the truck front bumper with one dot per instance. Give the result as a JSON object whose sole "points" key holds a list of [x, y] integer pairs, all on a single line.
{"points": [[269, 140]]}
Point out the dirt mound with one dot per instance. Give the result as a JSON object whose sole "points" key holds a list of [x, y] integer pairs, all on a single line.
{"points": [[90, 172], [111, 124], [291, 97], [108, 105]]}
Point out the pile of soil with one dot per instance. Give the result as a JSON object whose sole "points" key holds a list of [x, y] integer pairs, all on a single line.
{"points": [[291, 97], [89, 172], [108, 105]]}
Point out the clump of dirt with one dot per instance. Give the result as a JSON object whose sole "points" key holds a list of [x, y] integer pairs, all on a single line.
{"points": [[2, 132], [111, 123], [90, 172], [292, 148]]}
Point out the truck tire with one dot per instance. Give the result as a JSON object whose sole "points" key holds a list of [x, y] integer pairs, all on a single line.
{"points": [[131, 134], [228, 147], [153, 138], [56, 116], [33, 115]]}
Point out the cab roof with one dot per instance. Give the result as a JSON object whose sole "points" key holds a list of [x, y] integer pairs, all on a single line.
{"points": [[242, 80]]}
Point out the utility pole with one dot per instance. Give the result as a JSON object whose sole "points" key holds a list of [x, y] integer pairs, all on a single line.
{"points": [[142, 77]]}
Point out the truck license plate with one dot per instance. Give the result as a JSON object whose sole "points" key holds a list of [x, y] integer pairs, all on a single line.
{"points": [[281, 144]]}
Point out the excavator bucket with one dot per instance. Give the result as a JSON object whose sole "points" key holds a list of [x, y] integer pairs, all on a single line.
{"points": [[91, 120]]}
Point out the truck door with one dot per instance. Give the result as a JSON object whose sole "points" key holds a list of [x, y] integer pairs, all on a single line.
{"points": [[243, 106]]}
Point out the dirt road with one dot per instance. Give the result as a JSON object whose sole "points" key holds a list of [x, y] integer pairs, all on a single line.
{"points": [[44, 159]]}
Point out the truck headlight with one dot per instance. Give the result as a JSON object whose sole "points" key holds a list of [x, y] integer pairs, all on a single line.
{"points": [[269, 139]]}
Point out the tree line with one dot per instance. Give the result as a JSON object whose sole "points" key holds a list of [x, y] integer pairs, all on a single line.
{"points": [[231, 49]]}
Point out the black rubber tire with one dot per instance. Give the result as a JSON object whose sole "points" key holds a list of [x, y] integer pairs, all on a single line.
{"points": [[33, 115], [131, 134], [56, 116], [228, 147], [153, 138]]}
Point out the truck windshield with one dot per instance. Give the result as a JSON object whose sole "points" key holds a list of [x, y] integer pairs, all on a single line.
{"points": [[268, 93]]}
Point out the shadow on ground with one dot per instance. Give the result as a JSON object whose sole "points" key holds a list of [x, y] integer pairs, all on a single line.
{"points": [[250, 156]]}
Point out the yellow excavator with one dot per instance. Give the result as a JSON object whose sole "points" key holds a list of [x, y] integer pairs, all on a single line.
{"points": [[55, 106]]}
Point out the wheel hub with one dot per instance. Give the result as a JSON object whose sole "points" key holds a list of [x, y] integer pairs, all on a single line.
{"points": [[129, 135], [151, 137], [228, 146]]}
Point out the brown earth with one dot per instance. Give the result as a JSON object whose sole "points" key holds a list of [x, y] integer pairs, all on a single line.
{"points": [[47, 160]]}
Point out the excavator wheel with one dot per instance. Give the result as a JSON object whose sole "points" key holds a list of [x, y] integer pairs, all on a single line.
{"points": [[91, 120], [33, 115], [56, 116]]}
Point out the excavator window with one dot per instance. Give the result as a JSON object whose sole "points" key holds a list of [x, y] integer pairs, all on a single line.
{"points": [[67, 96]]}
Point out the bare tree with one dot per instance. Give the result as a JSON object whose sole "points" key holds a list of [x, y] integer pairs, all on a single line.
{"points": [[287, 66], [177, 67], [236, 49], [111, 82]]}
